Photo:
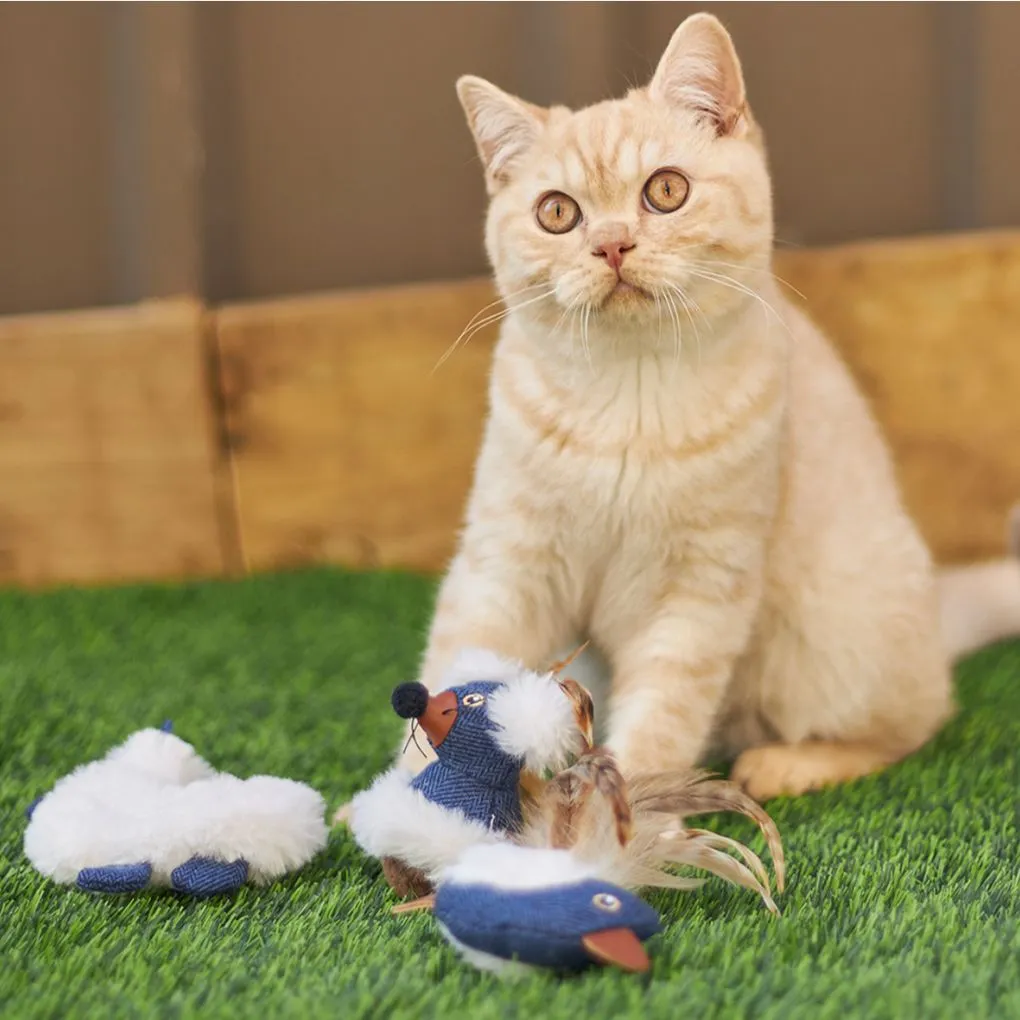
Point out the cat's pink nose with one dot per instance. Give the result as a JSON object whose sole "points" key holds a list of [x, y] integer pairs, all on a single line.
{"points": [[612, 252]]}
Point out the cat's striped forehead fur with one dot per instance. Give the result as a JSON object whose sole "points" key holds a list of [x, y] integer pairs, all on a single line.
{"points": [[692, 118]]}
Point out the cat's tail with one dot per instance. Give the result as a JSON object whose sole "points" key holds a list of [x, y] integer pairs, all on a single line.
{"points": [[980, 602]]}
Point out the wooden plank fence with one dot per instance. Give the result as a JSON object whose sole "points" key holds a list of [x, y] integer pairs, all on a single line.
{"points": [[170, 440]]}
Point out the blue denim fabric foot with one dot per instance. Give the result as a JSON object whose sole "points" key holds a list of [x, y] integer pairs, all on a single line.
{"points": [[203, 876], [115, 878]]}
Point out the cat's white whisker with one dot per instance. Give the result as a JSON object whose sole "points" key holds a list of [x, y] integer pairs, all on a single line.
{"points": [[584, 336], [704, 318], [690, 317], [708, 264], [474, 327], [575, 316], [678, 346], [676, 266], [727, 281], [677, 332], [502, 300], [563, 315]]}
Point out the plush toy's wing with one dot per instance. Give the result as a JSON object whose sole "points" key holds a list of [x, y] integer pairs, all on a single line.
{"points": [[115, 878], [391, 819], [202, 876], [199, 876], [539, 720]]}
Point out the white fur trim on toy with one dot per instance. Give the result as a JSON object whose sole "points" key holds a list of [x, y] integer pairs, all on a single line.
{"points": [[391, 819], [535, 721], [506, 969], [515, 868]]}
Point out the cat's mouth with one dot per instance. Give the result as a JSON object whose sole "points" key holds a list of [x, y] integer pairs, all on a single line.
{"points": [[625, 291]]}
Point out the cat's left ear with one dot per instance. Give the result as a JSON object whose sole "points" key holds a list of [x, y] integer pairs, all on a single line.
{"points": [[504, 126], [700, 71]]}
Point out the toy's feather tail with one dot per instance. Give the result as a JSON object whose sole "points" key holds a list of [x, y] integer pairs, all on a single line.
{"points": [[682, 794], [578, 799], [697, 848], [633, 834]]}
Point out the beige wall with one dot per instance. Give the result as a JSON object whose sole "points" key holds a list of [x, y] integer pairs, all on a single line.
{"points": [[243, 150]]}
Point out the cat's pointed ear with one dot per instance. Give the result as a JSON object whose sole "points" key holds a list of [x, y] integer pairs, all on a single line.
{"points": [[700, 71], [504, 126]]}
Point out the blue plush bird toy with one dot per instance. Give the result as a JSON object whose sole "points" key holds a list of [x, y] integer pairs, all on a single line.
{"points": [[507, 908]]}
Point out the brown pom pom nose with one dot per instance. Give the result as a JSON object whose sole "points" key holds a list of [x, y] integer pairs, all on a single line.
{"points": [[410, 700]]}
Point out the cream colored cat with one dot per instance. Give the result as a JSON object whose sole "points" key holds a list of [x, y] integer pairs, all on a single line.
{"points": [[676, 462]]}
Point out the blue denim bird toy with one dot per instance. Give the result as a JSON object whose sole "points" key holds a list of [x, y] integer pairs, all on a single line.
{"points": [[508, 907], [472, 772]]}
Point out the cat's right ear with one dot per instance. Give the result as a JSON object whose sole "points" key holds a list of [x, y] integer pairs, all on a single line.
{"points": [[700, 71], [504, 126]]}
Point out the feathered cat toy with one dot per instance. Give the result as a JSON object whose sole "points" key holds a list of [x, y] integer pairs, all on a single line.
{"points": [[523, 837]]}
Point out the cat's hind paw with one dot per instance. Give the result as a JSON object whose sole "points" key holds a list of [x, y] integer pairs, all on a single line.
{"points": [[776, 770]]}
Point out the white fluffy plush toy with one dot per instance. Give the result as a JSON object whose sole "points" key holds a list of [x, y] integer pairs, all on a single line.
{"points": [[153, 813]]}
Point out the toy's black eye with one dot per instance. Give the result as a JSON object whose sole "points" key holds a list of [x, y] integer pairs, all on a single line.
{"points": [[607, 902], [473, 700]]}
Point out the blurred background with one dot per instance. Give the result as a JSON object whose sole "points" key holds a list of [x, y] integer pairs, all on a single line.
{"points": [[236, 239], [247, 150]]}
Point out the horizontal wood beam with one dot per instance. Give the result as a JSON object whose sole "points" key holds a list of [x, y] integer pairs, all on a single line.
{"points": [[109, 465]]}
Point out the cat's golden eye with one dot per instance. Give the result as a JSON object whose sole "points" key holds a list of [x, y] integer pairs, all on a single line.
{"points": [[557, 213], [666, 190]]}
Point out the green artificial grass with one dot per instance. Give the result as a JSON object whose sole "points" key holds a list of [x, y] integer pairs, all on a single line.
{"points": [[903, 899]]}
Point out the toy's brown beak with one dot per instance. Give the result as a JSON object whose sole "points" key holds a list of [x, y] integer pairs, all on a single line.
{"points": [[619, 947], [439, 716]]}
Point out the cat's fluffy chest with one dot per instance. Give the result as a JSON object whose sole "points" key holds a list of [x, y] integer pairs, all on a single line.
{"points": [[636, 444], [624, 473]]}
